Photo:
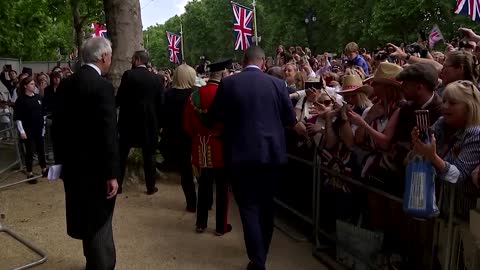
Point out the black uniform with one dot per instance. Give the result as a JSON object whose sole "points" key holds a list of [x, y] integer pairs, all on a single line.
{"points": [[28, 110], [140, 98]]}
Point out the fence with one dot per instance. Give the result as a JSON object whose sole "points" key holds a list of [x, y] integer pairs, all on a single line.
{"points": [[9, 159], [36, 66], [338, 218]]}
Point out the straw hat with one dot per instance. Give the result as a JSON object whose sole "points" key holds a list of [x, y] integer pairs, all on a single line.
{"points": [[353, 83], [387, 73]]}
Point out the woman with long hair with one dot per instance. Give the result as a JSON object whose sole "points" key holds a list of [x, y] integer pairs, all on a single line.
{"points": [[175, 143], [30, 123]]}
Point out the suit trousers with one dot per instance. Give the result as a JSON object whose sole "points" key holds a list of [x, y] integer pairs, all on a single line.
{"points": [[254, 189], [37, 142], [188, 185], [148, 164], [99, 249], [205, 196]]}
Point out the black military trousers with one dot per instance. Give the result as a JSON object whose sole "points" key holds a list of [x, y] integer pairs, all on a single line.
{"points": [[208, 176]]}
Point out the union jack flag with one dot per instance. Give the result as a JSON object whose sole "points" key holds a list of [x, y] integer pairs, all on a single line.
{"points": [[242, 26], [469, 8], [174, 48], [435, 36], [99, 30]]}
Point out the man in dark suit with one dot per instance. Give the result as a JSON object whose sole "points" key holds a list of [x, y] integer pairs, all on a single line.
{"points": [[140, 97], [254, 108], [85, 144]]}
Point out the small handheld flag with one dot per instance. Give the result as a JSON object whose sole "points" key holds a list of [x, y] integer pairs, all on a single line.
{"points": [[435, 36]]}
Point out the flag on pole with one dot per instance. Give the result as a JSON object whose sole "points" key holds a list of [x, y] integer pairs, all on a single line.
{"points": [[99, 30], [435, 36], [470, 8], [174, 48], [242, 26]]}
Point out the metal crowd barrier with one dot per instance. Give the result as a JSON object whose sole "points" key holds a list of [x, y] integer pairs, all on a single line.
{"points": [[320, 235], [11, 136], [8, 130]]}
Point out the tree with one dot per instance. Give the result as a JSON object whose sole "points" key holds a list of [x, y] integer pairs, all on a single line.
{"points": [[124, 26]]}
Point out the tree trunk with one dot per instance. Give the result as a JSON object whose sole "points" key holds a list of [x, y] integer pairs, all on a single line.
{"points": [[77, 24], [124, 26]]}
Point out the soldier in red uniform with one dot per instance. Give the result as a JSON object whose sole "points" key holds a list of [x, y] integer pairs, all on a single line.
{"points": [[207, 151]]}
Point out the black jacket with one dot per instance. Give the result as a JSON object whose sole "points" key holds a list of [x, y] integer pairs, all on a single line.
{"points": [[140, 98], [84, 131]]}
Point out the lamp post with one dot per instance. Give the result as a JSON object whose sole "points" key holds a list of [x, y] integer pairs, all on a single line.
{"points": [[310, 18]]}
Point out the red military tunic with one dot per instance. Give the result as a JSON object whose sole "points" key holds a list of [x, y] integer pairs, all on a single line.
{"points": [[206, 145]]}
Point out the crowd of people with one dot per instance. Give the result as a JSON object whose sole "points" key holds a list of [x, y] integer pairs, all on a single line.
{"points": [[233, 125]]}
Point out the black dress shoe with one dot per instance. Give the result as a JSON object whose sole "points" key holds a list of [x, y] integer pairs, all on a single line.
{"points": [[31, 182], [200, 229], [152, 191], [44, 172], [220, 233], [191, 209]]}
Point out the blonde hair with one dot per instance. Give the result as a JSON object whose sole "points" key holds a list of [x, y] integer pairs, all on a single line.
{"points": [[356, 70], [351, 47], [184, 77], [467, 93], [300, 79]]}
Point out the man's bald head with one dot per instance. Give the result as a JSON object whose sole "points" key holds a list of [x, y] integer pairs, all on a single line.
{"points": [[255, 55]]}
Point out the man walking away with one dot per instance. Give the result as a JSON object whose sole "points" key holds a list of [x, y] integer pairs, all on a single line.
{"points": [[140, 97], [85, 143], [254, 108]]}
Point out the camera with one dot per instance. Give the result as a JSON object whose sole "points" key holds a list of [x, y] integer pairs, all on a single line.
{"points": [[416, 48], [413, 48]]}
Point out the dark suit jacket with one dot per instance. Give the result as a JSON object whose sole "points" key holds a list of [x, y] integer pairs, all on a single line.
{"points": [[255, 108], [84, 131], [140, 98]]}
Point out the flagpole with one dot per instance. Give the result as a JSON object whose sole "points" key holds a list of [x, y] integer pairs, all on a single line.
{"points": [[181, 35], [254, 4]]}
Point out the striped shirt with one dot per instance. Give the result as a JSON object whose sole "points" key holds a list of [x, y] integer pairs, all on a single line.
{"points": [[461, 153]]}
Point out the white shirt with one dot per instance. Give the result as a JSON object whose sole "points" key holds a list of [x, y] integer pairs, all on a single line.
{"points": [[95, 67], [252, 66], [428, 102]]}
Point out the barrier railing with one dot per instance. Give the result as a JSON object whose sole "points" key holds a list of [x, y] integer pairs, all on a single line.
{"points": [[9, 141], [326, 242], [9, 144]]}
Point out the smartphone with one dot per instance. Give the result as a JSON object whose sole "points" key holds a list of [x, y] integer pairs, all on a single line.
{"points": [[316, 85], [423, 124], [8, 67]]}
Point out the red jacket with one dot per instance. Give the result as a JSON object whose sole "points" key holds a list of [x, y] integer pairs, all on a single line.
{"points": [[206, 145]]}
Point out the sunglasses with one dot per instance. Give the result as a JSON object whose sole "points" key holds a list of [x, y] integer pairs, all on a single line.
{"points": [[326, 102]]}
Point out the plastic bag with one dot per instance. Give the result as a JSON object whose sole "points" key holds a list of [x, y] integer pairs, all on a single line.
{"points": [[419, 198]]}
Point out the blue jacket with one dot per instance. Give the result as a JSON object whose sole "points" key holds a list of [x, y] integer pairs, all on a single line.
{"points": [[359, 61], [254, 108]]}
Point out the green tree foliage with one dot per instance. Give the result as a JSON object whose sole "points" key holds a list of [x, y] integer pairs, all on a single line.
{"points": [[208, 25], [42, 29]]}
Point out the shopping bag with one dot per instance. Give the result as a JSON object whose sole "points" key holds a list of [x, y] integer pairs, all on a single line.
{"points": [[419, 198]]}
